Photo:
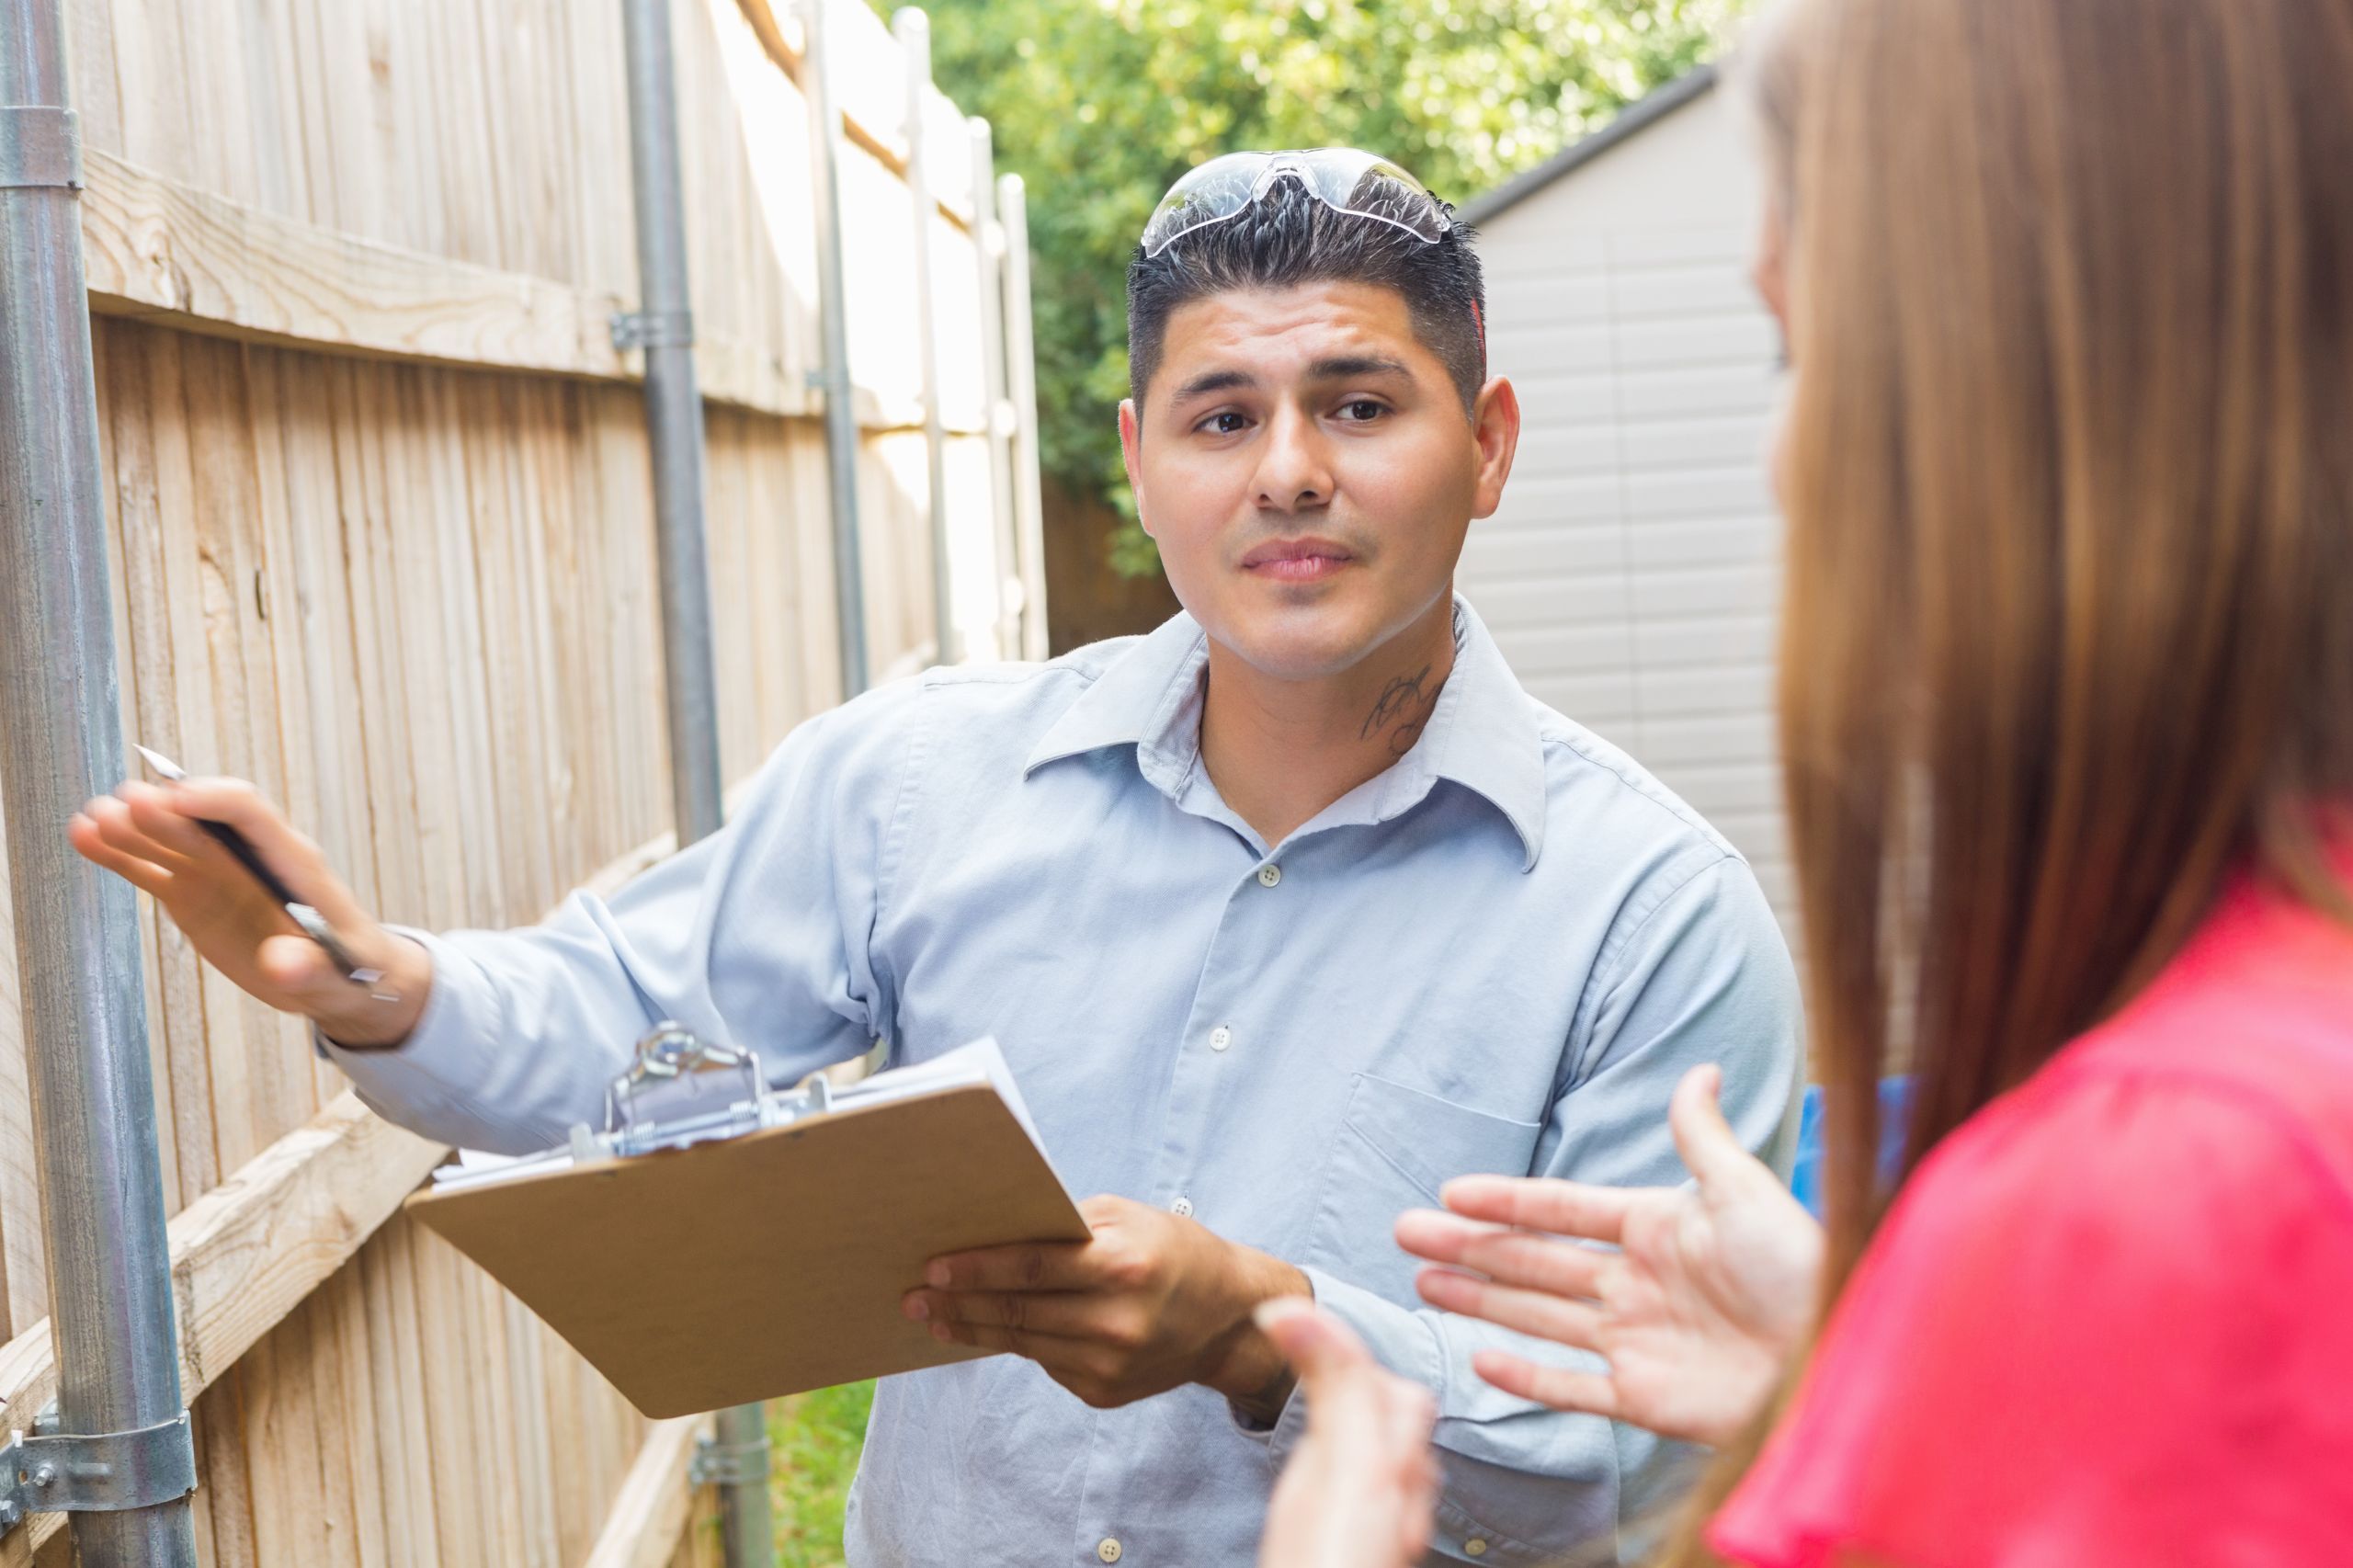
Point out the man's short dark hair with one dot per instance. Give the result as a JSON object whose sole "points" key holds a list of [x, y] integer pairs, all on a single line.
{"points": [[1288, 237]]}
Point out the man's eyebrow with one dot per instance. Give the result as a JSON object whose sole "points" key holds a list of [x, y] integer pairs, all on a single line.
{"points": [[1211, 382], [1355, 367]]}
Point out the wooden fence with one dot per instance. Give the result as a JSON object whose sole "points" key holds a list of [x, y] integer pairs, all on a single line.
{"points": [[382, 541]]}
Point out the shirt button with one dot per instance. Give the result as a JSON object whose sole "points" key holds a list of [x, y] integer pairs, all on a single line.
{"points": [[1475, 1547], [1269, 875], [1109, 1550], [1219, 1038], [1182, 1209]]}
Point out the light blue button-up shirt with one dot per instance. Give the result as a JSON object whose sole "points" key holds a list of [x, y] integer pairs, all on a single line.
{"points": [[1499, 955]]}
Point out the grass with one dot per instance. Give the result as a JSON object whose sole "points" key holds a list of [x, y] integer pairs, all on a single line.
{"points": [[817, 1436]]}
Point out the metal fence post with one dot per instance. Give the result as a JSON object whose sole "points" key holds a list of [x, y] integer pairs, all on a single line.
{"points": [[1021, 376], [913, 30], [988, 245], [61, 742], [664, 327], [833, 376]]}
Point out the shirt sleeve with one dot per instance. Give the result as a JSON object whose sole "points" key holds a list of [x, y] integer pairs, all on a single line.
{"points": [[2119, 1338], [758, 936], [1701, 974]]}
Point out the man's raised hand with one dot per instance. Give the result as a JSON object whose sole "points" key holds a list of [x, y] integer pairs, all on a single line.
{"points": [[149, 835]]}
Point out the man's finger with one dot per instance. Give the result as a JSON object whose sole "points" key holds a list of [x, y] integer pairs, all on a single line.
{"points": [[115, 828], [238, 804], [157, 814], [1036, 1265], [1709, 1149], [1509, 1257], [1529, 1311], [1557, 1386], [1542, 1203], [144, 875], [1047, 1350], [1067, 1313], [301, 969]]}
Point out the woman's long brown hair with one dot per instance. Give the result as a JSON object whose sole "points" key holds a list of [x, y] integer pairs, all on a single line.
{"points": [[2068, 634]]}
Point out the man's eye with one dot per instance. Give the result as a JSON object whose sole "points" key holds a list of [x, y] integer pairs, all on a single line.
{"points": [[1363, 411], [1224, 423]]}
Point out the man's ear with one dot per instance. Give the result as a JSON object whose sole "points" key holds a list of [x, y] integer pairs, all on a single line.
{"points": [[1131, 454], [1495, 426]]}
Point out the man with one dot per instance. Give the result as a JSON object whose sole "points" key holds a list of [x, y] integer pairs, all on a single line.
{"points": [[1283, 914]]}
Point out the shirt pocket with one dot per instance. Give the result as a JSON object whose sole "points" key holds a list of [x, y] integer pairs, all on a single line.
{"points": [[1395, 1149]]}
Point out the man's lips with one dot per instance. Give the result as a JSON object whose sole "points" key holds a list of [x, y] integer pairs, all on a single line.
{"points": [[1297, 560]]}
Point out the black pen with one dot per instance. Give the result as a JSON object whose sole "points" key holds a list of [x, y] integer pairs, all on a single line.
{"points": [[313, 925]]}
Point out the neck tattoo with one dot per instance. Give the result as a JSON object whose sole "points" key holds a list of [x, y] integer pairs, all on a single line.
{"points": [[1402, 704], [1406, 703]]}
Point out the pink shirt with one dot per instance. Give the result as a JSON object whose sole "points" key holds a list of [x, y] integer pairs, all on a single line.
{"points": [[2110, 1320]]}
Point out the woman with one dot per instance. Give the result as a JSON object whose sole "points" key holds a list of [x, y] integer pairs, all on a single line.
{"points": [[2067, 724]]}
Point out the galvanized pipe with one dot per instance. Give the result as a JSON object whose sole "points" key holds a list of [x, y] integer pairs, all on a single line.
{"points": [[913, 30], [833, 376], [988, 245], [664, 328], [60, 743], [1021, 375]]}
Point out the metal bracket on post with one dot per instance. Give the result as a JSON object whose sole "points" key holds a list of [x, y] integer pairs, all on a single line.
{"points": [[729, 1464], [653, 329], [100, 1472], [39, 146]]}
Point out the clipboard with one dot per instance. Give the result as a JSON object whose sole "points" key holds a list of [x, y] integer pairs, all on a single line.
{"points": [[720, 1243]]}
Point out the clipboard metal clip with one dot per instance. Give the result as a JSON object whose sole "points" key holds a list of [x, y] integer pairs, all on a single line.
{"points": [[680, 1089]]}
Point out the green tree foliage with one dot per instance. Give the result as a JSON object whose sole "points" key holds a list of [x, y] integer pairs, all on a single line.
{"points": [[1101, 104]]}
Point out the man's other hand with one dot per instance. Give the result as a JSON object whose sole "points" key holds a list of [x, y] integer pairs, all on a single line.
{"points": [[1151, 1303]]}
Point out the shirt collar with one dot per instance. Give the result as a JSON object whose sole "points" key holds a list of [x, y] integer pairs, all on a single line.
{"points": [[1150, 697], [1483, 735]]}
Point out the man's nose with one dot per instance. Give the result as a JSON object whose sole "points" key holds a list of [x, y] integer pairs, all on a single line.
{"points": [[1294, 464]]}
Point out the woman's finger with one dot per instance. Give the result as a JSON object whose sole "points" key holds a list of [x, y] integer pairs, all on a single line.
{"points": [[1529, 1311], [1542, 1203], [1590, 1393], [144, 875], [1316, 1344], [1442, 1237], [1509, 1257], [1711, 1150]]}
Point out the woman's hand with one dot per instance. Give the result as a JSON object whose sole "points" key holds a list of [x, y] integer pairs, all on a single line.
{"points": [[1708, 1290], [1360, 1487], [148, 834]]}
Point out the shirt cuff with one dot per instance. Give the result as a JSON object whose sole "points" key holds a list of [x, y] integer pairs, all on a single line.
{"points": [[440, 1064]]}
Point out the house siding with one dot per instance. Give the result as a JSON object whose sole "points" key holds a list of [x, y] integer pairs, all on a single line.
{"points": [[1632, 571]]}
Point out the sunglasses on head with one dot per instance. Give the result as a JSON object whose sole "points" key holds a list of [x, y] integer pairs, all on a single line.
{"points": [[1344, 179]]}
